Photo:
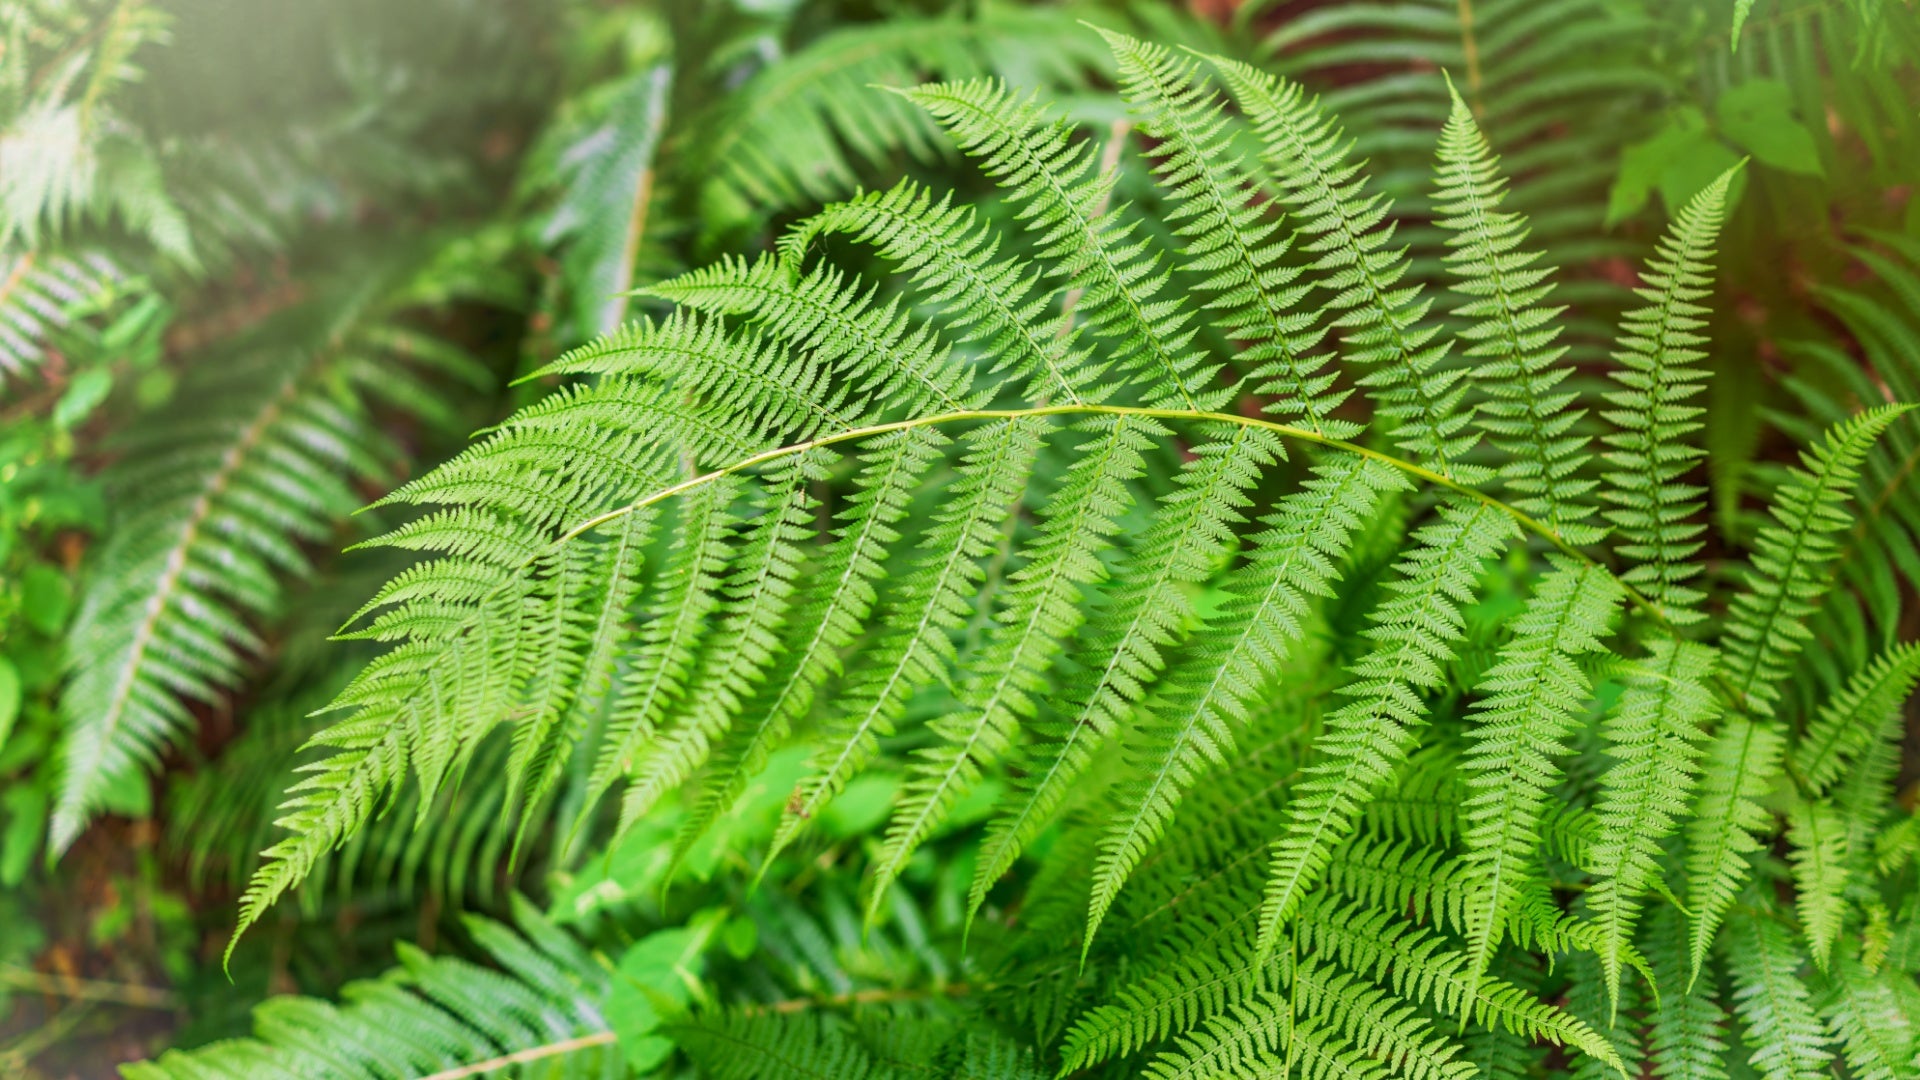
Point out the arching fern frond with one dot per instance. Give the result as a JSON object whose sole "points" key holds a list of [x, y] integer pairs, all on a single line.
{"points": [[971, 517], [215, 499], [988, 299]]}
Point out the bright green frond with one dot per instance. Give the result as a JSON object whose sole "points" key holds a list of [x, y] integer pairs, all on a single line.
{"points": [[1062, 196], [1366, 740], [1792, 561], [833, 604], [1652, 506], [1531, 700], [1378, 316], [1778, 1024], [1512, 336], [1654, 737], [876, 351]]}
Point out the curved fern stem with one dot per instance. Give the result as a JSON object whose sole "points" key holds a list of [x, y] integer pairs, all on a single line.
{"points": [[1524, 520]]}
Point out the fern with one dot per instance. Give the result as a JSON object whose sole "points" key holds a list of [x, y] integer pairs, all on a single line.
{"points": [[1650, 457], [1779, 1022], [1654, 734], [1227, 235], [40, 294], [543, 1009], [1314, 721], [1522, 724], [214, 507]]}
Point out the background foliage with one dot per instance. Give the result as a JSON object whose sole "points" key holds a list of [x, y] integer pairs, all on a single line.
{"points": [[263, 263]]}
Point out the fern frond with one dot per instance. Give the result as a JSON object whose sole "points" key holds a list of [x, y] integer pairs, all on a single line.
{"points": [[1654, 737], [1766, 623], [676, 625], [1062, 196], [1343, 1027], [1688, 1036], [1379, 318], [1765, 630], [1041, 612], [987, 299], [1777, 1017], [1653, 508], [1531, 699], [1864, 1012], [1199, 985], [1365, 741], [1420, 967], [1229, 237], [1735, 774], [1512, 335], [545, 1005], [1819, 856], [790, 395]]}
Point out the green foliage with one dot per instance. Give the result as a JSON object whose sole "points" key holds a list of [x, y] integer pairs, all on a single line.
{"points": [[211, 507], [972, 628], [544, 1004]]}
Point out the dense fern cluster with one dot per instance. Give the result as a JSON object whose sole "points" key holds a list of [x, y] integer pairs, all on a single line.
{"points": [[710, 549], [997, 548]]}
